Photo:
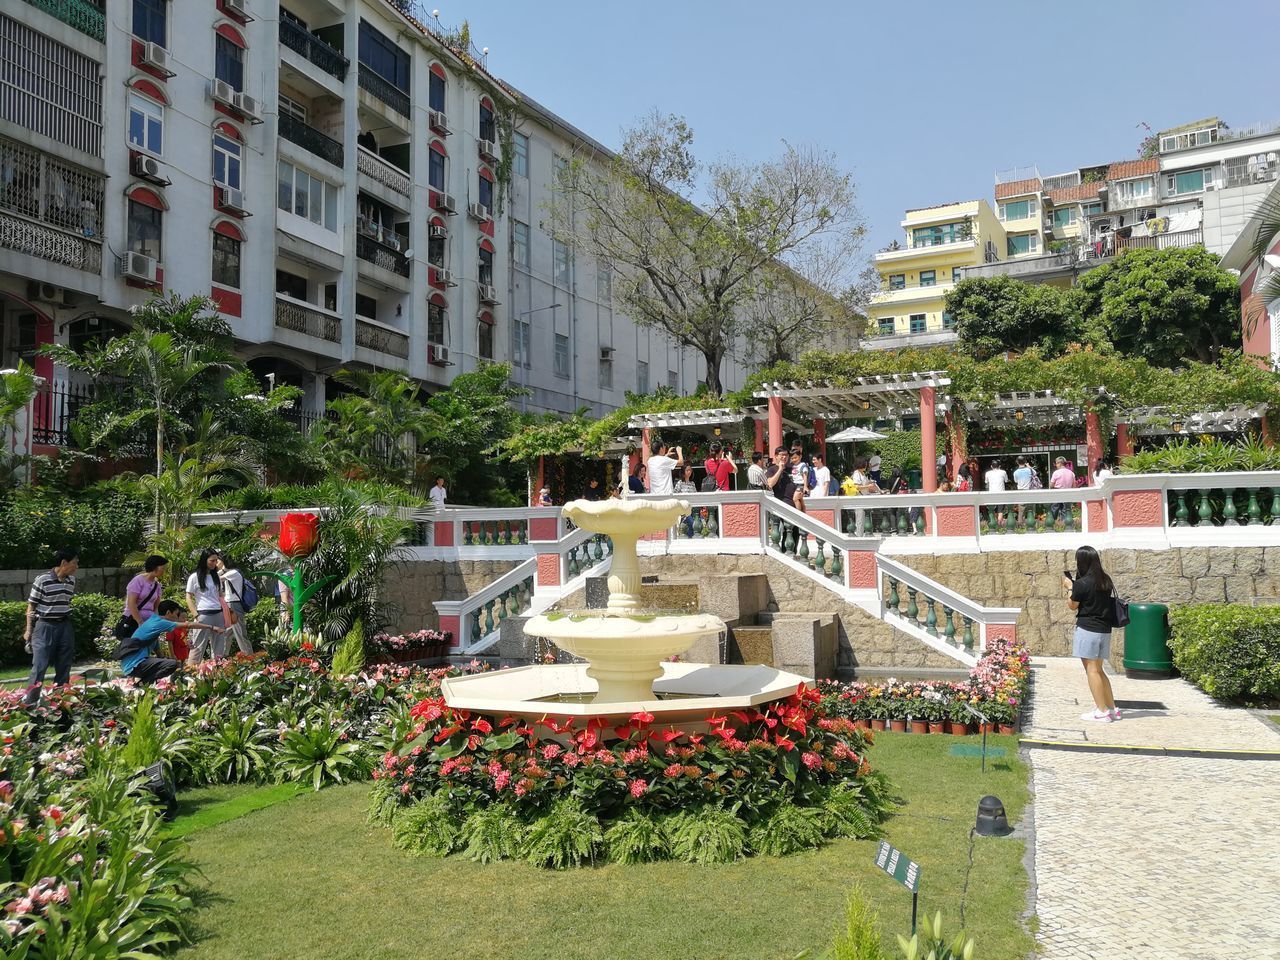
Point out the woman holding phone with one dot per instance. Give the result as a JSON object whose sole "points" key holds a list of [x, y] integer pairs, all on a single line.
{"points": [[1091, 594]]}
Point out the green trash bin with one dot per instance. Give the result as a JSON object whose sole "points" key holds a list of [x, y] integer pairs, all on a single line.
{"points": [[914, 479], [1146, 642]]}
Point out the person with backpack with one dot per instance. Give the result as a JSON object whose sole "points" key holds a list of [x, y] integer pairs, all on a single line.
{"points": [[720, 467], [239, 597], [1091, 594], [137, 653]]}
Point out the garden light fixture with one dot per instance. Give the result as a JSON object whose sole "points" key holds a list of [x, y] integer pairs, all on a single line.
{"points": [[992, 821]]}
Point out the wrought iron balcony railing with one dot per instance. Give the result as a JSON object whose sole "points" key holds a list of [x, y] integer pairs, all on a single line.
{"points": [[307, 44], [49, 209], [374, 337], [384, 172], [384, 90], [87, 16], [310, 139], [303, 318], [371, 250]]}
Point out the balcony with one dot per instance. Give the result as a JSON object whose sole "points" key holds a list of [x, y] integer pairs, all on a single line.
{"points": [[927, 250], [874, 340], [374, 336], [87, 16], [1161, 241], [49, 209], [913, 293], [379, 170], [307, 44], [309, 138], [380, 254], [384, 90], [305, 318]]}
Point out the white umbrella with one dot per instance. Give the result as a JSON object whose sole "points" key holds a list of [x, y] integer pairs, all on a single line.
{"points": [[850, 434]]}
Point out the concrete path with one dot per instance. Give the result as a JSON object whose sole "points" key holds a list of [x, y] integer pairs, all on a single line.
{"points": [[1152, 857]]}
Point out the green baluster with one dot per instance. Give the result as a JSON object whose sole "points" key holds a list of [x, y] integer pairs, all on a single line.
{"points": [[819, 560], [791, 540], [950, 631], [837, 565], [803, 552], [968, 633], [573, 562], [1010, 515], [913, 609], [1205, 511], [513, 603], [775, 533], [930, 617], [886, 523], [500, 608], [597, 548], [920, 525], [1229, 509], [850, 523], [466, 534], [524, 531], [488, 619], [894, 600], [713, 522], [1255, 511], [1181, 518], [1275, 504], [902, 523], [475, 627]]}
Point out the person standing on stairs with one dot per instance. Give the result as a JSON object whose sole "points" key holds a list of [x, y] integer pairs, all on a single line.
{"points": [[1091, 594]]}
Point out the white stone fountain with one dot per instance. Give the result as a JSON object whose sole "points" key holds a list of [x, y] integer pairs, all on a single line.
{"points": [[627, 650]]}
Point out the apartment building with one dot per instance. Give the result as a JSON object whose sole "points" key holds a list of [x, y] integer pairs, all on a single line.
{"points": [[940, 243], [328, 171]]}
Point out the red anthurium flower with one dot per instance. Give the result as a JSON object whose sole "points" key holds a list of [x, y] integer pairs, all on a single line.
{"points": [[482, 726], [724, 733], [623, 733], [506, 722], [696, 738], [785, 743], [643, 717], [669, 735], [740, 715]]}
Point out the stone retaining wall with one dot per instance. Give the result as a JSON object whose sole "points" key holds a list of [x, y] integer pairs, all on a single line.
{"points": [[414, 587], [16, 584]]}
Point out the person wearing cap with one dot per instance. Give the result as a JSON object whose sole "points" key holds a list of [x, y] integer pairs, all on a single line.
{"points": [[1063, 478], [544, 497]]}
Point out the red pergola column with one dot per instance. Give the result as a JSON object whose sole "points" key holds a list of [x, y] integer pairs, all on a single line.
{"points": [[775, 423], [1124, 442], [540, 482], [820, 436], [1093, 440], [928, 440], [644, 454], [759, 435]]}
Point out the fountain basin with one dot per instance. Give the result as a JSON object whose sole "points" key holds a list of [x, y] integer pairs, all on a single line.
{"points": [[684, 694]]}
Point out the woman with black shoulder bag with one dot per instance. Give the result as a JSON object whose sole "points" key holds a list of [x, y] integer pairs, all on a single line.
{"points": [[142, 596]]}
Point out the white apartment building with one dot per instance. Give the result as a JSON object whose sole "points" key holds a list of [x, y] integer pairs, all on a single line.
{"points": [[327, 170]]}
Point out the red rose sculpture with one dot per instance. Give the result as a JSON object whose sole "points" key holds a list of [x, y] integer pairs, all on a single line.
{"points": [[298, 534]]}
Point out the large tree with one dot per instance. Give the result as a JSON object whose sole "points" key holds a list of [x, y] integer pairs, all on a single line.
{"points": [[799, 307], [998, 314], [1164, 305], [690, 269]]}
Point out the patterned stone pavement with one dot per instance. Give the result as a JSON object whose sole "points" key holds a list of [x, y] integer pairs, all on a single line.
{"points": [[1150, 857]]}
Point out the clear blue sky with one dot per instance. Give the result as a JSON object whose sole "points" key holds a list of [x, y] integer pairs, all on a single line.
{"points": [[923, 101]]}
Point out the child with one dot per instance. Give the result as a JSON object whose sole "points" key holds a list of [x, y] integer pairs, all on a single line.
{"points": [[136, 653]]}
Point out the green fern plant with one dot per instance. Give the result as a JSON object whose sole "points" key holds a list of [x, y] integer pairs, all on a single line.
{"points": [[384, 802], [494, 833], [860, 939], [844, 813], [567, 836], [143, 746], [637, 837], [708, 835], [787, 830], [349, 658], [428, 828]]}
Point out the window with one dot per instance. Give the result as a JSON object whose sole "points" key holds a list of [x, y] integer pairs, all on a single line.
{"points": [[291, 107], [484, 340], [144, 229], [1192, 181], [435, 251], [383, 57], [1018, 210], [291, 285], [149, 20], [522, 342], [521, 162], [642, 377], [486, 266], [307, 196], [226, 161], [1064, 217], [886, 326], [435, 95], [1185, 141], [1092, 209], [520, 243], [948, 320], [604, 283], [928, 278], [943, 233], [1023, 243], [918, 324], [435, 170], [226, 261], [561, 359], [897, 281], [559, 263], [366, 306], [957, 274], [486, 193], [673, 381], [1130, 191], [435, 323], [228, 62], [606, 374], [146, 124], [488, 131]]}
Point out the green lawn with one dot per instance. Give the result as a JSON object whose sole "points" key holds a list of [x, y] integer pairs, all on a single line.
{"points": [[309, 878]]}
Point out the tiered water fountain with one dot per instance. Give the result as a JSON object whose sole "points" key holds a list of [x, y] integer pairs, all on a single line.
{"points": [[627, 649]]}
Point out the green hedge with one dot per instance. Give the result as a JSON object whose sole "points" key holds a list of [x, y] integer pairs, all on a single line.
{"points": [[34, 524], [92, 614], [1231, 651]]}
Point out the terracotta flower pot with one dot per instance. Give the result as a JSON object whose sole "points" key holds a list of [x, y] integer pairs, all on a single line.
{"points": [[919, 726], [898, 726], [937, 726], [879, 724], [987, 727], [1008, 728], [959, 728], [862, 723]]}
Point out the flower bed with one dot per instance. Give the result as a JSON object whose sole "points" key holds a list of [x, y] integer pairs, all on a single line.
{"points": [[770, 781], [997, 688], [402, 648]]}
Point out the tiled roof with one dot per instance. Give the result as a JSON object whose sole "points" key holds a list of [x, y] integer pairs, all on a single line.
{"points": [[1016, 188], [1081, 191], [1125, 169]]}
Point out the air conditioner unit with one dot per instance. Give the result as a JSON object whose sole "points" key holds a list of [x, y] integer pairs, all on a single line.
{"points": [[488, 149], [156, 57], [138, 266], [445, 277], [235, 7], [606, 354], [445, 203], [222, 92], [249, 107], [439, 231], [44, 292], [479, 212], [233, 200], [438, 121], [149, 168], [488, 293], [438, 354]]}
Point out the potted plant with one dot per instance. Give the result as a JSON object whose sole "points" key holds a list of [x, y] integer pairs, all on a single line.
{"points": [[898, 714], [958, 717], [933, 710], [1003, 716], [879, 710]]}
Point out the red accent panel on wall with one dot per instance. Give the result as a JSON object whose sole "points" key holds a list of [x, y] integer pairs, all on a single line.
{"points": [[228, 301], [232, 34], [740, 520], [862, 568], [1137, 508]]}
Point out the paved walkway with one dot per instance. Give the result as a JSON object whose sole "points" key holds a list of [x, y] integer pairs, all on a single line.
{"points": [[1153, 857]]}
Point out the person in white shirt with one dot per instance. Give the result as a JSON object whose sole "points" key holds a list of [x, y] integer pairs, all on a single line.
{"points": [[660, 466], [873, 468], [755, 472], [997, 482], [821, 477], [1102, 473], [204, 600], [438, 493]]}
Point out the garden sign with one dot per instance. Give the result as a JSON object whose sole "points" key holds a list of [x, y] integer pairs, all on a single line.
{"points": [[906, 872]]}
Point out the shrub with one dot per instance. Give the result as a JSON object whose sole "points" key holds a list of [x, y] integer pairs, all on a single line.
{"points": [[320, 751], [494, 833], [349, 658], [428, 828], [34, 523], [860, 939], [92, 614], [707, 836], [844, 813], [1230, 651], [263, 618], [1205, 455], [566, 837], [788, 830], [637, 838], [237, 750], [143, 746]]}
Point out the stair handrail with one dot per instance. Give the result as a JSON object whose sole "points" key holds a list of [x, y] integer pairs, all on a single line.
{"points": [[958, 602]]}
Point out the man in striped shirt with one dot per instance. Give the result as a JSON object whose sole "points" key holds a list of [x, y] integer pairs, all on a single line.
{"points": [[49, 637]]}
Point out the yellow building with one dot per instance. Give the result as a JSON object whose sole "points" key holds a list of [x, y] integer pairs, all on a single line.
{"points": [[916, 275]]}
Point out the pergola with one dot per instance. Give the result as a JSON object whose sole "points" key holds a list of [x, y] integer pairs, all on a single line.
{"points": [[1032, 407], [1163, 421]]}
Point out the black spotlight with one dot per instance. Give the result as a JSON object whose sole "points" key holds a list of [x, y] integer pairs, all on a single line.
{"points": [[991, 819]]}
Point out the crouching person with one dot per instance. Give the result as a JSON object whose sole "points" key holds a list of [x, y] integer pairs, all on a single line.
{"points": [[137, 653]]}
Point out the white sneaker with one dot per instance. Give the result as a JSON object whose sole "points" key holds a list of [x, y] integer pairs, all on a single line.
{"points": [[1116, 715], [1098, 716]]}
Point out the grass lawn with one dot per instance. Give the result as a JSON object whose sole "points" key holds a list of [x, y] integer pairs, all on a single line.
{"points": [[309, 878]]}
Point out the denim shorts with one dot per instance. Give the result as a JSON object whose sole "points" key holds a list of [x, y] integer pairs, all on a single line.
{"points": [[1091, 646]]}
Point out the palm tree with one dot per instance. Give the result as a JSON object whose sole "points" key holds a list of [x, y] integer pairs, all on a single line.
{"points": [[379, 429], [1268, 219]]}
